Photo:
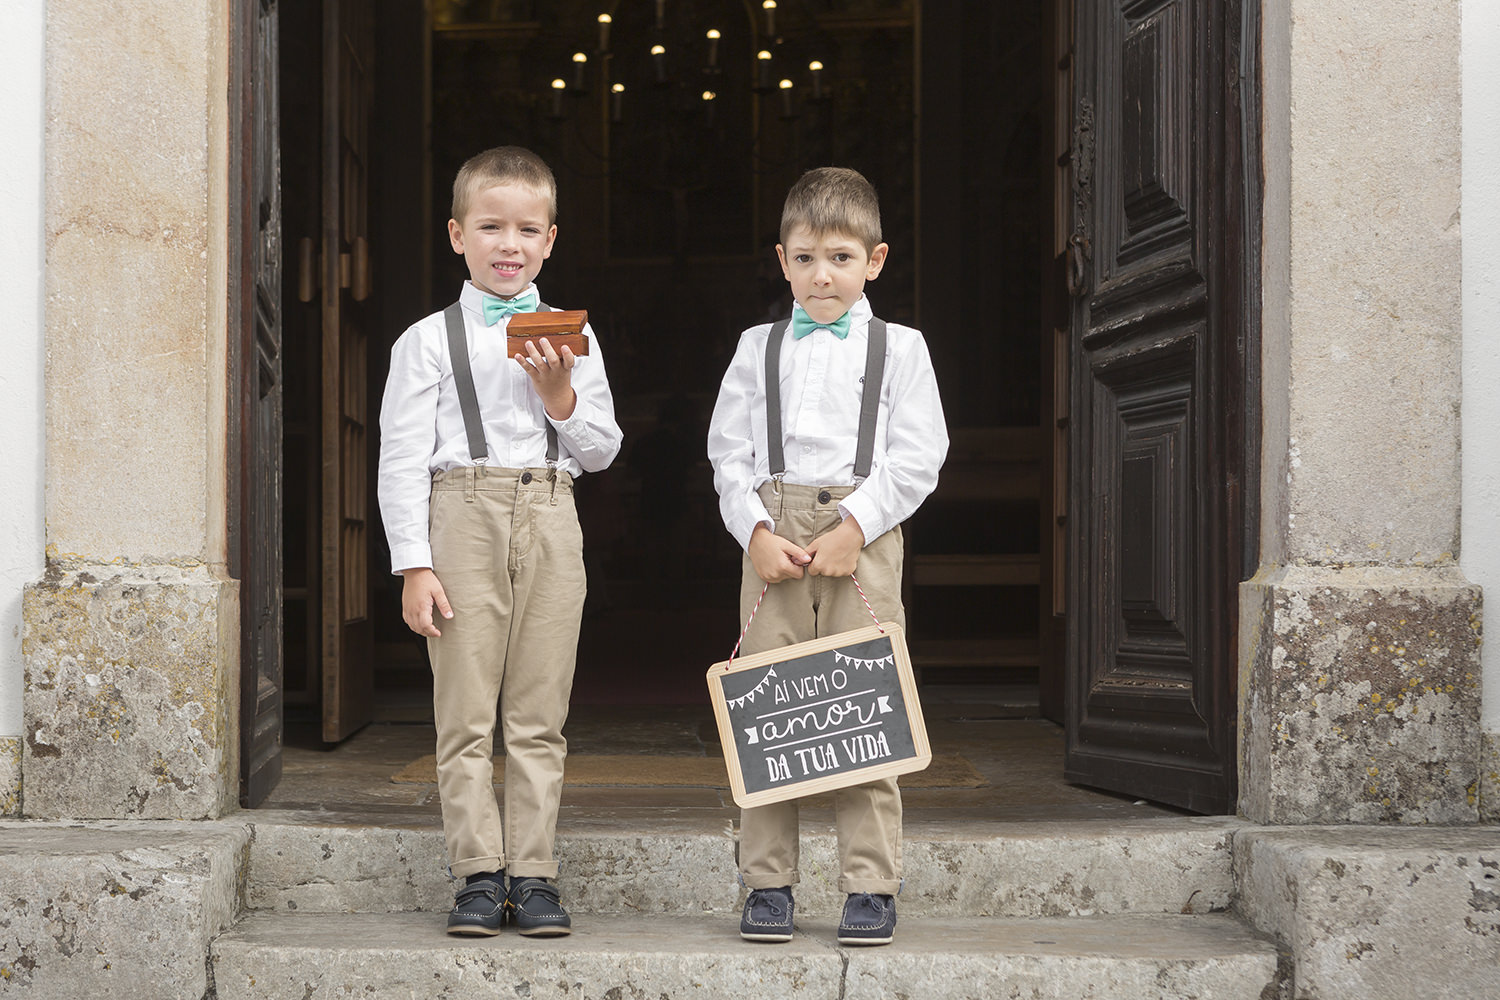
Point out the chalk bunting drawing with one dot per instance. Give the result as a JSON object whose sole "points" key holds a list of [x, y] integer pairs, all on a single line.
{"points": [[860, 664], [749, 696]]}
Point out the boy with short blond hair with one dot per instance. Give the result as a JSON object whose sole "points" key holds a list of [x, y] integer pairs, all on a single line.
{"points": [[814, 479], [478, 452]]}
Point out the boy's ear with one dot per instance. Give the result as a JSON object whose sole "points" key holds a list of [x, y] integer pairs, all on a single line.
{"points": [[781, 256], [877, 261], [456, 235]]}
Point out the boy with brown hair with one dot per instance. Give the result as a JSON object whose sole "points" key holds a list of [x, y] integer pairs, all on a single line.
{"points": [[827, 434], [478, 451]]}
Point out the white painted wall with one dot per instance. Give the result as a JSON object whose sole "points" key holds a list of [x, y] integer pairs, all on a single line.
{"points": [[21, 348], [1481, 355]]}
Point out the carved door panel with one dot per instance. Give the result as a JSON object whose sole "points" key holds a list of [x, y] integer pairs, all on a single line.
{"points": [[1161, 265], [345, 636], [255, 544]]}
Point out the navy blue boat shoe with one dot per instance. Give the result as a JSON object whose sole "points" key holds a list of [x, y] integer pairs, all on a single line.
{"points": [[536, 908], [478, 908], [867, 919], [768, 915]]}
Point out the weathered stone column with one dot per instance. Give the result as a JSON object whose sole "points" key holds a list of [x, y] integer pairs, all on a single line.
{"points": [[131, 636], [1359, 636]]}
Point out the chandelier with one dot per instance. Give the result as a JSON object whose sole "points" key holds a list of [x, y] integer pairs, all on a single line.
{"points": [[671, 45]]}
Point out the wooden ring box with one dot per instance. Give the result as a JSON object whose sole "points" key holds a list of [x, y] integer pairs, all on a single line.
{"points": [[562, 328]]}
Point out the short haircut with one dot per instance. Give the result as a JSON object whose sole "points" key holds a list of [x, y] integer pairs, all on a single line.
{"points": [[503, 165], [833, 200]]}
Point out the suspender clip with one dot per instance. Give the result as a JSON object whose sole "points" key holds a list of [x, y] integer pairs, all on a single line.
{"points": [[776, 483]]}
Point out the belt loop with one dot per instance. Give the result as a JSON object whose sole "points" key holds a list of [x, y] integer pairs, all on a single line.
{"points": [[469, 484]]}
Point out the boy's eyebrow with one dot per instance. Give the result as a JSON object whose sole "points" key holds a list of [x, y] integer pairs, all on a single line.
{"points": [[836, 243], [538, 221]]}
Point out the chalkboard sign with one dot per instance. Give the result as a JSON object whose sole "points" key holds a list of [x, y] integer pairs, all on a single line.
{"points": [[819, 715]]}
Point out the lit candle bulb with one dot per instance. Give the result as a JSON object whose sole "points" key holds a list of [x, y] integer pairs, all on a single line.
{"points": [[763, 70], [769, 6], [616, 101], [713, 47], [558, 86], [580, 61], [659, 56], [708, 106], [604, 22], [786, 98]]}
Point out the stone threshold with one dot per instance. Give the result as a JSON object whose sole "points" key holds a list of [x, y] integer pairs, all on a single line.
{"points": [[1137, 957], [302, 863]]}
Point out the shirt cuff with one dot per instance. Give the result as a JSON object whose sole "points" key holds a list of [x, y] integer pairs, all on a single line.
{"points": [[865, 513], [575, 430], [410, 555], [752, 517]]}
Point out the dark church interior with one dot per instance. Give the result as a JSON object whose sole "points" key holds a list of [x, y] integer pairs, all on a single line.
{"points": [[673, 150]]}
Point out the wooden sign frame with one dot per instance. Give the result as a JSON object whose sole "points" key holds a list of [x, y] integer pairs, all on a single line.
{"points": [[736, 739]]}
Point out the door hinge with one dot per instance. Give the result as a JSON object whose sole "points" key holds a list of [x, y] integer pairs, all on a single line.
{"points": [[1079, 248], [354, 269]]}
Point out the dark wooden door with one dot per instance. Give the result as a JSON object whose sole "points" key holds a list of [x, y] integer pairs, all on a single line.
{"points": [[255, 543], [345, 633], [1162, 262]]}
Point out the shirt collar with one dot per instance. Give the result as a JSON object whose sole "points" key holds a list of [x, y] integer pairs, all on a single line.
{"points": [[859, 313], [472, 297]]}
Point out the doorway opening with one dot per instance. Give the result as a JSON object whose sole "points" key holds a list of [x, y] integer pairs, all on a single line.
{"points": [[1073, 210]]}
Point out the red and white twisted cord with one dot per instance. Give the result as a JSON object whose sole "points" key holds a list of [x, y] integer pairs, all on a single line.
{"points": [[735, 652], [862, 597]]}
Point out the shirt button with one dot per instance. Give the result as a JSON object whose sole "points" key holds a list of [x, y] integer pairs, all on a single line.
{"points": [[525, 477], [824, 497]]}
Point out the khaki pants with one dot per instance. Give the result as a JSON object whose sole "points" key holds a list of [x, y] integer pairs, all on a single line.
{"points": [[508, 551], [869, 815]]}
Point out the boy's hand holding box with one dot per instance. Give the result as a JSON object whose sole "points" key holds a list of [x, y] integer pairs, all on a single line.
{"points": [[561, 327]]}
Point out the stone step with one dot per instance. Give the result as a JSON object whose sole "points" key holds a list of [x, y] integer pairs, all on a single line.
{"points": [[1136, 957], [972, 867], [119, 909]]}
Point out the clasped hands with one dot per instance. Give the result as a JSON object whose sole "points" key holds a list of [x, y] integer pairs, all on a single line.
{"points": [[833, 554]]}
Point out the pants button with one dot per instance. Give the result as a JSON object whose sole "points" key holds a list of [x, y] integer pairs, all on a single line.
{"points": [[824, 497], [525, 477]]}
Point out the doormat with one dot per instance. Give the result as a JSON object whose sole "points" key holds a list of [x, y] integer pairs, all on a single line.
{"points": [[658, 771]]}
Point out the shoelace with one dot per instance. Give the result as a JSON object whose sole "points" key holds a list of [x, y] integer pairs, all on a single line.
{"points": [[871, 902], [761, 897]]}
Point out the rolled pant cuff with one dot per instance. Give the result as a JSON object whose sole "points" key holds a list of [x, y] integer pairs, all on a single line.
{"points": [[532, 869], [875, 886], [773, 880], [473, 866]]}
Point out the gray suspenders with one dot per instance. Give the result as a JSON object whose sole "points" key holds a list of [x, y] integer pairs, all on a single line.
{"points": [[468, 399], [869, 403]]}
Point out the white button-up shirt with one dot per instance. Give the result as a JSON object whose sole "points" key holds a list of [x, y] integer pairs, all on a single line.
{"points": [[422, 427], [821, 384]]}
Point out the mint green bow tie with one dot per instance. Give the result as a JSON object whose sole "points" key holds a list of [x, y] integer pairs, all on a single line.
{"points": [[803, 324], [496, 309]]}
